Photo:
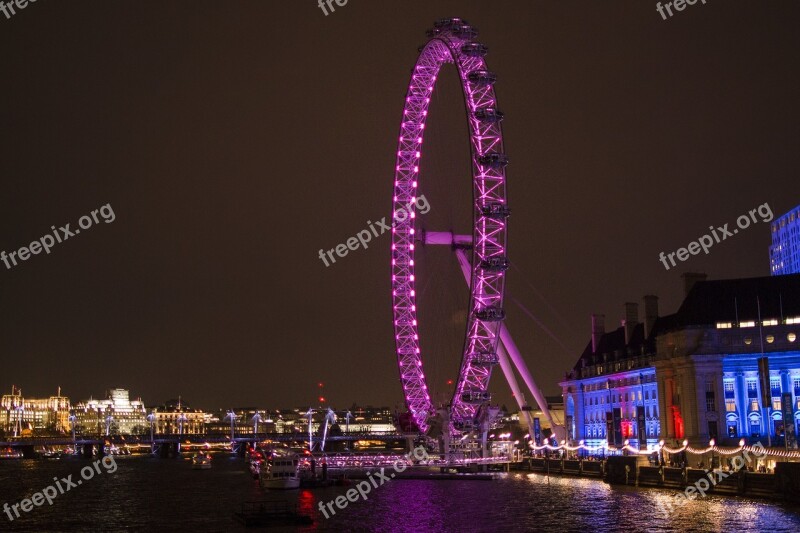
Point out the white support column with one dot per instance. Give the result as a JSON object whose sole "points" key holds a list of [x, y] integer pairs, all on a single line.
{"points": [[507, 353], [519, 362]]}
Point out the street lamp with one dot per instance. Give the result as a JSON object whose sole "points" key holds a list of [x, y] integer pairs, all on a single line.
{"points": [[152, 419], [20, 414], [256, 419], [712, 443], [741, 445], [72, 419], [232, 416], [182, 418]]}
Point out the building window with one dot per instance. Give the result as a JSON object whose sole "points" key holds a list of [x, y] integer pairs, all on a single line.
{"points": [[747, 324], [711, 400], [730, 406], [770, 322], [754, 405], [776, 404], [755, 427], [711, 405], [724, 325]]}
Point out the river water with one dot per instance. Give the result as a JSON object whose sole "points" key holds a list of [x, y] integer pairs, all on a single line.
{"points": [[148, 494]]}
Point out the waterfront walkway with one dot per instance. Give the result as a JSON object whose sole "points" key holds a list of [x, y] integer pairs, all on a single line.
{"points": [[783, 484]]}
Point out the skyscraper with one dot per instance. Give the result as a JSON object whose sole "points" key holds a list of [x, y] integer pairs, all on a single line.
{"points": [[784, 254]]}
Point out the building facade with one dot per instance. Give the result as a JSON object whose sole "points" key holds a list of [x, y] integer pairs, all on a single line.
{"points": [[117, 414], [784, 254], [20, 416], [177, 418], [725, 366], [611, 395]]}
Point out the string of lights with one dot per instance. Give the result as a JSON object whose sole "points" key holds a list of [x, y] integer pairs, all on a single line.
{"points": [[712, 447]]}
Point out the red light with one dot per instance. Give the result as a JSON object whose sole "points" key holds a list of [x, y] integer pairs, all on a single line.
{"points": [[321, 399], [449, 381]]}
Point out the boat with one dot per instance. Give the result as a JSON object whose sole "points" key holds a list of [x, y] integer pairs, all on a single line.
{"points": [[10, 453], [256, 459], [270, 513], [201, 461], [51, 454], [255, 468], [280, 471]]}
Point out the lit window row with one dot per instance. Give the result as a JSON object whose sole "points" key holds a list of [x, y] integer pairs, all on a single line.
{"points": [[791, 337], [752, 323]]}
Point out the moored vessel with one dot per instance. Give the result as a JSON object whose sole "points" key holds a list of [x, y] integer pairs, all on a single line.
{"points": [[280, 471]]}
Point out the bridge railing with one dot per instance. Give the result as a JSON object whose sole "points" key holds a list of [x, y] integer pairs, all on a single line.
{"points": [[57, 440]]}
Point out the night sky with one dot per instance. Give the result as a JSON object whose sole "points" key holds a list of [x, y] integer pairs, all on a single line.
{"points": [[234, 139]]}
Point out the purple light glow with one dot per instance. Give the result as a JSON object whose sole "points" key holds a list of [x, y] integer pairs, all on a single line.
{"points": [[489, 234]]}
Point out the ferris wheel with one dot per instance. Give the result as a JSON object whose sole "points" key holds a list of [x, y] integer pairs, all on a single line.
{"points": [[481, 256], [452, 41]]}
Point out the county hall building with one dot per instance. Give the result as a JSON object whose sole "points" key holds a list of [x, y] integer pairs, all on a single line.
{"points": [[725, 366]]}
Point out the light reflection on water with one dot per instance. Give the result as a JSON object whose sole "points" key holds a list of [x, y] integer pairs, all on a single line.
{"points": [[532, 502], [167, 495]]}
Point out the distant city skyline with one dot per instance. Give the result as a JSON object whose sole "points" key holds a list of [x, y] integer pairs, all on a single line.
{"points": [[626, 135]]}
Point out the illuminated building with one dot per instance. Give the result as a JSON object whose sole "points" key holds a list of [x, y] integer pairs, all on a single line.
{"points": [[368, 419], [709, 361], [175, 417], [784, 254], [34, 416], [694, 374], [116, 415], [219, 422], [360, 420], [611, 394]]}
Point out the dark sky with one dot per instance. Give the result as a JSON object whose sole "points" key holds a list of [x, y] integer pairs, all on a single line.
{"points": [[234, 139]]}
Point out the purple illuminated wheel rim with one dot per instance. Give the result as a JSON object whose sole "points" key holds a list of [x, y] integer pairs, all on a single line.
{"points": [[452, 41]]}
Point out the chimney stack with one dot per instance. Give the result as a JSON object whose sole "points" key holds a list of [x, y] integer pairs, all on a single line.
{"points": [[598, 329], [631, 319], [690, 278], [650, 313]]}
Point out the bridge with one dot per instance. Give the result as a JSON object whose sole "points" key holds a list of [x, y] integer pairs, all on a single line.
{"points": [[169, 444]]}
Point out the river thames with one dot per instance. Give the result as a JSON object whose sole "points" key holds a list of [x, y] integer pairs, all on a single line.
{"points": [[147, 494]]}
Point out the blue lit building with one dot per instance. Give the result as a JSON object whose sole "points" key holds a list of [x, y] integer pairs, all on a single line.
{"points": [[784, 254], [611, 395], [694, 374]]}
